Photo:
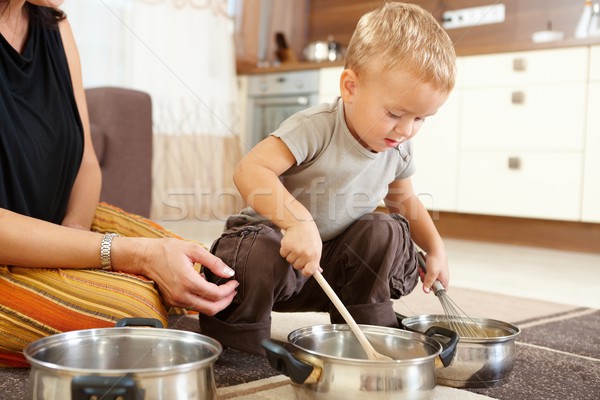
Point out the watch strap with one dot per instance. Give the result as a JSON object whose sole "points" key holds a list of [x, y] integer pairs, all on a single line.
{"points": [[105, 248]]}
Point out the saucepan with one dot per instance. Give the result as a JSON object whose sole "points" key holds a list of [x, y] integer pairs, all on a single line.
{"points": [[479, 361], [327, 362], [129, 362], [321, 51]]}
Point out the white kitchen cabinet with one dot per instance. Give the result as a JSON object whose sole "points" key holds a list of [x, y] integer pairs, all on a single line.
{"points": [[329, 84], [591, 179], [436, 158], [524, 117], [522, 134], [595, 64], [522, 184], [530, 67]]}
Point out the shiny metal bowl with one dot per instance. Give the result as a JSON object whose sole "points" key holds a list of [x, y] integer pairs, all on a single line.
{"points": [[479, 362]]}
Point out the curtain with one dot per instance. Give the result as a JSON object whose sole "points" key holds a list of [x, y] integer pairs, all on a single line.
{"points": [[181, 52], [257, 22]]}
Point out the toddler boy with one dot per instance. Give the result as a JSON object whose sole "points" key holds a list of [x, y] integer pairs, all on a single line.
{"points": [[314, 183]]}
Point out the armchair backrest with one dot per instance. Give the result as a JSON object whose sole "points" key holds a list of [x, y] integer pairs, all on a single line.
{"points": [[121, 127]]}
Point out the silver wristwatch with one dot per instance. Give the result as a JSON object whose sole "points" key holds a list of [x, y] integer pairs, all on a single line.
{"points": [[105, 247]]}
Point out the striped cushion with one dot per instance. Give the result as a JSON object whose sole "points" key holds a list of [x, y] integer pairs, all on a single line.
{"points": [[38, 302]]}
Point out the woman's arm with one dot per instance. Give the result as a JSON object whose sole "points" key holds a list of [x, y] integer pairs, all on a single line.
{"points": [[30, 242], [86, 189]]}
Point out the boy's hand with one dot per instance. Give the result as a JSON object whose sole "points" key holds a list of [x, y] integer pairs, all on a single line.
{"points": [[437, 269], [301, 246]]}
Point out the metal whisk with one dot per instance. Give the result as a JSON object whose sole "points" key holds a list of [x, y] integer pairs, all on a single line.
{"points": [[458, 320]]}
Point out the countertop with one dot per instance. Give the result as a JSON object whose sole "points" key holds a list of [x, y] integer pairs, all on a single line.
{"points": [[251, 69]]}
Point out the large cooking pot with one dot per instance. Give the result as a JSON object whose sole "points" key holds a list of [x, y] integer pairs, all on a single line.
{"points": [[328, 362], [125, 362], [480, 361]]}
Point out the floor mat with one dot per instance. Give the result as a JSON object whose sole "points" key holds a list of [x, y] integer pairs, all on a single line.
{"points": [[558, 357], [557, 352]]}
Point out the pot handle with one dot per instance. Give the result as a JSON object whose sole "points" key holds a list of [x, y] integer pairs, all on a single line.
{"points": [[105, 387], [153, 322], [448, 348], [284, 362], [399, 318]]}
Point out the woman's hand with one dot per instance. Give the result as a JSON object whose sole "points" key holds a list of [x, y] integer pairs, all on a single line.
{"points": [[301, 246], [170, 263]]}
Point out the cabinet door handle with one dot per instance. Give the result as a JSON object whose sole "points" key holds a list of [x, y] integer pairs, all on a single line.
{"points": [[517, 97], [514, 163], [519, 65]]}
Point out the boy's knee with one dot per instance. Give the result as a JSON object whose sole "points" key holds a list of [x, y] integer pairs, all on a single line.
{"points": [[252, 251], [384, 230]]}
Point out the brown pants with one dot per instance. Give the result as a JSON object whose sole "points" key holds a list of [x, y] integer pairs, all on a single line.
{"points": [[371, 262]]}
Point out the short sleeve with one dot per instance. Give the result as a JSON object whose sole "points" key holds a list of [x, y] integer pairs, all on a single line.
{"points": [[301, 137], [406, 165]]}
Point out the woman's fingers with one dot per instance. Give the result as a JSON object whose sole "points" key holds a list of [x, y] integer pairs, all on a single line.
{"points": [[208, 307], [206, 296], [212, 262]]}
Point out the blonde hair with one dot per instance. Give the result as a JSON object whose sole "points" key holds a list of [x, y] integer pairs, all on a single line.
{"points": [[403, 36]]}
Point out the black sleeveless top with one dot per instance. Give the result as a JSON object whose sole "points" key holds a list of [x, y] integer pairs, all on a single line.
{"points": [[41, 135]]}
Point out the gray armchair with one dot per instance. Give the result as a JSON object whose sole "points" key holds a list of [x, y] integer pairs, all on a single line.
{"points": [[121, 127]]}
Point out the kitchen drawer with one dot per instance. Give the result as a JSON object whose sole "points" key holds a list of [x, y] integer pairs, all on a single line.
{"points": [[591, 180], [288, 83], [532, 67], [595, 63], [550, 117], [545, 185], [329, 83], [436, 158]]}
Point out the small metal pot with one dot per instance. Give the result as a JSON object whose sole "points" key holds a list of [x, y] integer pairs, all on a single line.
{"points": [[479, 362], [126, 363], [327, 362], [321, 51]]}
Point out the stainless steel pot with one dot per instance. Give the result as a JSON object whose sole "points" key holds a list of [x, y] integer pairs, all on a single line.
{"points": [[321, 51], [479, 362], [327, 362], [127, 363]]}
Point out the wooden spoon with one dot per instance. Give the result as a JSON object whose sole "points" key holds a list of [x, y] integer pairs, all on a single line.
{"points": [[372, 354]]}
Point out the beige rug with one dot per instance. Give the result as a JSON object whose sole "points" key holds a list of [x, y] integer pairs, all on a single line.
{"points": [[279, 388]]}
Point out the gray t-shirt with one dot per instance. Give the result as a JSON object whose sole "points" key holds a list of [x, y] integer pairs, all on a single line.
{"points": [[335, 177]]}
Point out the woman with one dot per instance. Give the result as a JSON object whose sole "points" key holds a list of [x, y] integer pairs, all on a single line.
{"points": [[55, 273]]}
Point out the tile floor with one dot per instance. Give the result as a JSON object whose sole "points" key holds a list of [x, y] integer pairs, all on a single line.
{"points": [[536, 273]]}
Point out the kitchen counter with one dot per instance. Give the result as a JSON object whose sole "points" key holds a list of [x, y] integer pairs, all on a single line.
{"points": [[251, 69], [508, 47]]}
